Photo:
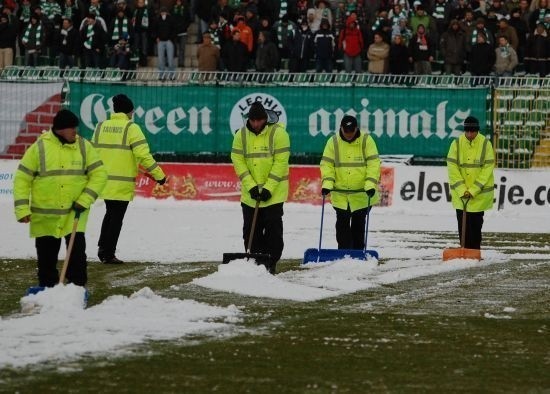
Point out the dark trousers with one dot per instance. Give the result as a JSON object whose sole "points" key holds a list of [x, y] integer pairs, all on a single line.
{"points": [[268, 234], [66, 61], [47, 250], [474, 223], [350, 228], [110, 228], [92, 58]]}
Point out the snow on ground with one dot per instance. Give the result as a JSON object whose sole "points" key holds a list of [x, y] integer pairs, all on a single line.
{"points": [[63, 330], [167, 232]]}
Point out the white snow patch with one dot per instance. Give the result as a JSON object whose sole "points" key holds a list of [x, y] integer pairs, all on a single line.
{"points": [[245, 277], [64, 333]]}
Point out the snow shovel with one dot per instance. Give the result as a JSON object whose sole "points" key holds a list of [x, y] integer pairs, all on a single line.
{"points": [[38, 289], [313, 255], [462, 252], [260, 258]]}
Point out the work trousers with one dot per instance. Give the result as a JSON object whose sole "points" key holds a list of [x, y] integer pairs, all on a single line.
{"points": [[350, 228], [268, 234], [47, 250], [110, 228], [474, 223]]}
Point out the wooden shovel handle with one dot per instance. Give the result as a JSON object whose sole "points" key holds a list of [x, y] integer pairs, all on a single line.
{"points": [[69, 248], [464, 213]]}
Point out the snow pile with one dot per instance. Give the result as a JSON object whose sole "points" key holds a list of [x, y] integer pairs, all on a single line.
{"points": [[61, 298], [315, 281], [245, 277], [68, 332]]}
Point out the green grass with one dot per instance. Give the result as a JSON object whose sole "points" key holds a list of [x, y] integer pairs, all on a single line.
{"points": [[429, 334]]}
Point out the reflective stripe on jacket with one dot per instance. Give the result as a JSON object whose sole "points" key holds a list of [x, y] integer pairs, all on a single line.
{"points": [[349, 169], [122, 147], [262, 160], [50, 177], [470, 165]]}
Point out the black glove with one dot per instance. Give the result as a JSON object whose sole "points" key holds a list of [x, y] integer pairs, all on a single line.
{"points": [[162, 181], [325, 191], [78, 208], [370, 193], [265, 195], [255, 193]]}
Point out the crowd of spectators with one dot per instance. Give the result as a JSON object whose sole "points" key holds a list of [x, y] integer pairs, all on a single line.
{"points": [[376, 36]]}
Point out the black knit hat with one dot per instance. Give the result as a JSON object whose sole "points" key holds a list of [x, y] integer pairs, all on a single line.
{"points": [[65, 119], [471, 124], [349, 123], [257, 111], [121, 103]]}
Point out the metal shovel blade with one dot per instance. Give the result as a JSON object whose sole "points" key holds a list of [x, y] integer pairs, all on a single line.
{"points": [[461, 253], [260, 258], [323, 255]]}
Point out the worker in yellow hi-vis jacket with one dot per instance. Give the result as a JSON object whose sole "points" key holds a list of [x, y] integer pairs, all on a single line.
{"points": [[470, 165], [123, 148], [260, 155], [350, 171], [59, 174]]}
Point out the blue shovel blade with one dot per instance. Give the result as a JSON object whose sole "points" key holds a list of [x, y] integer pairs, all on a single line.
{"points": [[315, 255], [34, 290], [38, 289]]}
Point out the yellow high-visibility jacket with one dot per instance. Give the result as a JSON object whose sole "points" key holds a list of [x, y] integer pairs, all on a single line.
{"points": [[122, 147], [262, 160], [470, 165], [349, 169], [50, 177]]}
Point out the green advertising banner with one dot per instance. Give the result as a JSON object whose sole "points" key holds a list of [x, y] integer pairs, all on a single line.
{"points": [[202, 119]]}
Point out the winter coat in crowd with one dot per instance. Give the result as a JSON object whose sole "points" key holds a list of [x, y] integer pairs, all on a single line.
{"points": [[165, 29], [421, 48], [399, 57], [510, 33], [235, 55], [301, 50], [267, 56], [203, 9], [181, 16], [208, 56], [34, 36], [247, 36], [120, 29], [69, 41], [538, 52], [378, 55], [522, 31], [506, 59], [350, 41], [453, 45], [482, 58], [324, 43], [8, 33], [141, 19], [93, 38]]}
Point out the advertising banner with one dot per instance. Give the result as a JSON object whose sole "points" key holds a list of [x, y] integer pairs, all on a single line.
{"points": [[412, 187], [195, 119], [428, 188], [219, 182]]}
